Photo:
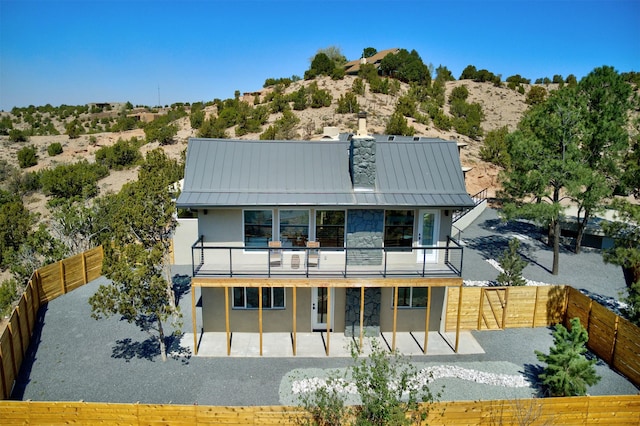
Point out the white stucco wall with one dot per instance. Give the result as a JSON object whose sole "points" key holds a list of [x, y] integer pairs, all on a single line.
{"points": [[185, 235]]}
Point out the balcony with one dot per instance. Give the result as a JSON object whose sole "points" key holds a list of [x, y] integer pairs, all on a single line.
{"points": [[214, 260]]}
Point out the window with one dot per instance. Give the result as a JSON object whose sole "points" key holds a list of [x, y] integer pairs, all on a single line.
{"points": [[330, 228], [294, 228], [398, 228], [258, 226], [411, 297], [247, 298]]}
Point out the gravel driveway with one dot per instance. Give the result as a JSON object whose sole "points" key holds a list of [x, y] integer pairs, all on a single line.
{"points": [[73, 357]]}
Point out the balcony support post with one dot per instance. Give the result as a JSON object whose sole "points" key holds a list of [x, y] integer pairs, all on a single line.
{"points": [[361, 317], [260, 316], [395, 317], [426, 322], [295, 306], [193, 319], [226, 319], [458, 319]]}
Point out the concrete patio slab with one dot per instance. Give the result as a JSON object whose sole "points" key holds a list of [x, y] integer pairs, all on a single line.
{"points": [[280, 345]]}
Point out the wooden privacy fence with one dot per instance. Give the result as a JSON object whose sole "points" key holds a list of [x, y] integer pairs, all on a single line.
{"points": [[490, 308], [611, 337], [594, 410], [45, 284]]}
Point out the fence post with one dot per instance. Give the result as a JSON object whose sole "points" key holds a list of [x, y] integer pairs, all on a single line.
{"points": [[62, 283], [84, 268]]}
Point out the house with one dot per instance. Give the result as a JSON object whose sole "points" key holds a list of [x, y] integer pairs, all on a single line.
{"points": [[348, 235], [353, 67]]}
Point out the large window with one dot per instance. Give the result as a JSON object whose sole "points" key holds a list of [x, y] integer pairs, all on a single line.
{"points": [[294, 228], [398, 228], [258, 225], [247, 298], [411, 297], [330, 228]]}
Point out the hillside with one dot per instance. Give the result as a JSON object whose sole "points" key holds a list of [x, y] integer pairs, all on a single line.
{"points": [[501, 106]]}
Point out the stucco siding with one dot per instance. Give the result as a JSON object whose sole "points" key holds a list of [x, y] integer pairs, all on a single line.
{"points": [[411, 319], [273, 320]]}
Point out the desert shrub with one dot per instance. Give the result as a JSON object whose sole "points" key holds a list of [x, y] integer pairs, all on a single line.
{"points": [[5, 125], [495, 148], [358, 86], [459, 93], [386, 386], [123, 154], [73, 180], [299, 99], [319, 97], [536, 95], [282, 129], [467, 118], [8, 294], [54, 149], [398, 125], [74, 129], [17, 135], [27, 157], [406, 106], [441, 120], [348, 103]]}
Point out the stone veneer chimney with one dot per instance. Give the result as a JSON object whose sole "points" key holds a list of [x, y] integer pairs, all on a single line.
{"points": [[362, 157]]}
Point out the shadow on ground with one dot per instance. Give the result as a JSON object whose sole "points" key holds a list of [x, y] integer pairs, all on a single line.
{"points": [[24, 376], [149, 349], [181, 286]]}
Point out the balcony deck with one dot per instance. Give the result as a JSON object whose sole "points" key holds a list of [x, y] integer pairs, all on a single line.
{"points": [[210, 260]]}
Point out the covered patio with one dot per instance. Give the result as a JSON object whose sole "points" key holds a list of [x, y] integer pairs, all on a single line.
{"points": [[391, 339]]}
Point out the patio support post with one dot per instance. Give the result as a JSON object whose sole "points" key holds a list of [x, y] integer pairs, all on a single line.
{"points": [[395, 317], [458, 319], [426, 322], [226, 319], [193, 319], [260, 316], [295, 306], [361, 317], [328, 317]]}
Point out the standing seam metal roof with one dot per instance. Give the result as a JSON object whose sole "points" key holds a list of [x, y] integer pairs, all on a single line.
{"points": [[226, 173]]}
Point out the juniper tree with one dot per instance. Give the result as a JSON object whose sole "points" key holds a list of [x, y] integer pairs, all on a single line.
{"points": [[512, 265], [137, 258], [568, 371]]}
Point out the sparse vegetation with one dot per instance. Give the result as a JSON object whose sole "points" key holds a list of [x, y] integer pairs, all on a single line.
{"points": [[54, 149], [27, 157]]}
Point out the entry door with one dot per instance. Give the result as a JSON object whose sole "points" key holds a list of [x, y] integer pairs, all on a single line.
{"points": [[428, 235], [319, 299]]}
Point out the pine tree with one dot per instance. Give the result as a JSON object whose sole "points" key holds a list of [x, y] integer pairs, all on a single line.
{"points": [[568, 371], [512, 265]]}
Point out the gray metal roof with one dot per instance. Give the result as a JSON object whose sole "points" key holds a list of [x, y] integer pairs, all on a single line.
{"points": [[229, 173]]}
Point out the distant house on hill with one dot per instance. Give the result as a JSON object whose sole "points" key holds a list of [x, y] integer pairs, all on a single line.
{"points": [[352, 67]]}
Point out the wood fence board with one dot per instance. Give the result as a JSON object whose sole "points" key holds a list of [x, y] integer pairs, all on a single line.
{"points": [[609, 410], [30, 315], [50, 283], [602, 332], [7, 361], [550, 306], [16, 341], [520, 307], [21, 325], [626, 358]]}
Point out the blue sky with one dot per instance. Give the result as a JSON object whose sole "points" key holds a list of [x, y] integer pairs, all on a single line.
{"points": [[75, 52]]}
